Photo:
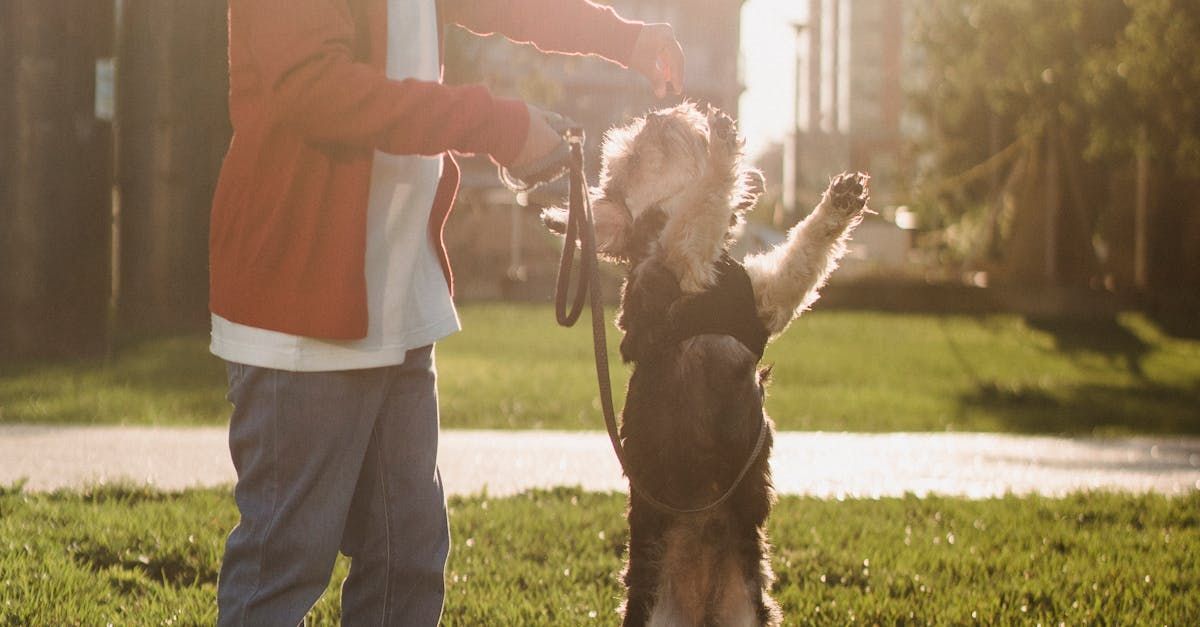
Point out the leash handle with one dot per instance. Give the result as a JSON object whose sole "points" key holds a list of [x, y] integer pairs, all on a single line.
{"points": [[581, 224]]}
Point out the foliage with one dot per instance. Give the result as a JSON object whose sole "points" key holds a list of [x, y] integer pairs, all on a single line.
{"points": [[129, 556], [1002, 71], [512, 368], [1080, 78], [1150, 78]]}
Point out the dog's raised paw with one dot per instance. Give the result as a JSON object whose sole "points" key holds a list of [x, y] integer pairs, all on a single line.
{"points": [[722, 127], [849, 192]]}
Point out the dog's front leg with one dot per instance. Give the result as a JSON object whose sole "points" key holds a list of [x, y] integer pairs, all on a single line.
{"points": [[787, 277], [646, 300]]}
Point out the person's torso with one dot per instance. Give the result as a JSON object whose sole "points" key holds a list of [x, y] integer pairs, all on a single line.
{"points": [[408, 300]]}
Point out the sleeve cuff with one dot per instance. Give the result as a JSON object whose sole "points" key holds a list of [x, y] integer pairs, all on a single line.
{"points": [[507, 128]]}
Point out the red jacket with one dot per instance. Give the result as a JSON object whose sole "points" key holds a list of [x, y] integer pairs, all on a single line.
{"points": [[310, 104]]}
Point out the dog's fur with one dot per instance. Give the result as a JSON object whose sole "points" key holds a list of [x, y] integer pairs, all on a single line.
{"points": [[672, 187]]}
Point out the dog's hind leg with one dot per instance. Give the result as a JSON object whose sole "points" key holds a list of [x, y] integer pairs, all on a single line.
{"points": [[787, 277], [758, 560], [752, 550], [642, 572], [735, 604]]}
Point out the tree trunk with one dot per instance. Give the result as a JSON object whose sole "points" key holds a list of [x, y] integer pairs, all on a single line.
{"points": [[1141, 275], [174, 121], [1053, 208], [54, 177]]}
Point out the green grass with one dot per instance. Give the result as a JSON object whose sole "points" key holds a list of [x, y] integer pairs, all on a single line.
{"points": [[129, 556], [513, 367]]}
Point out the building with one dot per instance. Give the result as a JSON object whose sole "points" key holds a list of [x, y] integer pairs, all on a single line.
{"points": [[852, 68]]}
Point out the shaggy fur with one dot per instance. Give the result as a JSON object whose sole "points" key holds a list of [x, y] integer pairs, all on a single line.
{"points": [[672, 188], [786, 278]]}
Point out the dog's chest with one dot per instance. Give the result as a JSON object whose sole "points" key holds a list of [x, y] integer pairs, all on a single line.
{"points": [[727, 308]]}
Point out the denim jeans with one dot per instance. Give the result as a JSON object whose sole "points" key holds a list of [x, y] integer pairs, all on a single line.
{"points": [[336, 460]]}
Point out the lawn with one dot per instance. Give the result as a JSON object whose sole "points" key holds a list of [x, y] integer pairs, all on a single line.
{"points": [[855, 371], [130, 556]]}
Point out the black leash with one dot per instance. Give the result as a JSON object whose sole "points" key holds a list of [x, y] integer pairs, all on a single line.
{"points": [[580, 225]]}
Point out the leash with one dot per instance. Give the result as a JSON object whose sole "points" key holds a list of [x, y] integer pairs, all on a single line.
{"points": [[580, 227]]}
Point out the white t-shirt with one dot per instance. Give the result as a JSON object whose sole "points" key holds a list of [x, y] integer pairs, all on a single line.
{"points": [[408, 301]]}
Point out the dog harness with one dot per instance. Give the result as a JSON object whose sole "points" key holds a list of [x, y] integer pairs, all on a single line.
{"points": [[726, 308]]}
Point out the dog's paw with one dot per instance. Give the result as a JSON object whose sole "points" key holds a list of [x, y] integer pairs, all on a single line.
{"points": [[721, 127], [555, 219], [724, 142], [848, 194]]}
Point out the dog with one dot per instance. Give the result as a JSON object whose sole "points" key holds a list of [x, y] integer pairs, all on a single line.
{"points": [[673, 189]]}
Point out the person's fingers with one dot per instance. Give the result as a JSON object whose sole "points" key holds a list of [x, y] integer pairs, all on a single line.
{"points": [[673, 60], [658, 56], [658, 82]]}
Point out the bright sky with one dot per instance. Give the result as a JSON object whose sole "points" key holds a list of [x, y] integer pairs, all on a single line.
{"points": [[768, 51]]}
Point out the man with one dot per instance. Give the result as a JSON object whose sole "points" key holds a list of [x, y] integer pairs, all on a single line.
{"points": [[330, 281]]}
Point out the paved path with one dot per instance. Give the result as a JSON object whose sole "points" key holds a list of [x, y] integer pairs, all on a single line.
{"points": [[506, 462]]}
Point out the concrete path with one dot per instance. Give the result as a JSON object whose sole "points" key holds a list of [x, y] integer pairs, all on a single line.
{"points": [[505, 462]]}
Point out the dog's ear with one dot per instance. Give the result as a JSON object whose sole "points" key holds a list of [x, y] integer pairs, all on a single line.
{"points": [[612, 226]]}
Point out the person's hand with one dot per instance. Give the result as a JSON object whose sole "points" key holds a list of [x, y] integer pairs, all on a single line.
{"points": [[658, 56], [541, 140]]}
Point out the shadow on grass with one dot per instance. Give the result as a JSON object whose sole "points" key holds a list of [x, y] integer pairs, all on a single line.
{"points": [[1103, 335], [170, 567], [1090, 408], [1178, 316]]}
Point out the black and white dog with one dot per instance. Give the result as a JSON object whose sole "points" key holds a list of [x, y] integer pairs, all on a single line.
{"points": [[672, 190]]}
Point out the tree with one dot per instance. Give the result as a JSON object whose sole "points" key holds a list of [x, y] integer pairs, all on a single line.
{"points": [[54, 178], [1039, 111], [1149, 83]]}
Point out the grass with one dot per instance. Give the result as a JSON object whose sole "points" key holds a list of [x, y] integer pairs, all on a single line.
{"points": [[855, 371], [130, 556]]}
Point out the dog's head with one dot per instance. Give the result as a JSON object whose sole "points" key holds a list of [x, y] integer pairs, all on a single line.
{"points": [[659, 167]]}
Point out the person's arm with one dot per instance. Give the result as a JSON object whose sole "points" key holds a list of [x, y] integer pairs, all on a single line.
{"points": [[577, 27], [302, 50], [563, 26]]}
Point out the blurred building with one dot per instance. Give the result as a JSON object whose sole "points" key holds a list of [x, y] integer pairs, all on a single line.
{"points": [[852, 69]]}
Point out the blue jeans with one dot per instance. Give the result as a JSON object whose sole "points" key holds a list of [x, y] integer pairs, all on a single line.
{"points": [[336, 460]]}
